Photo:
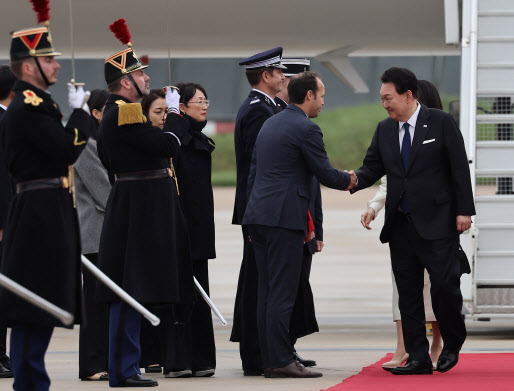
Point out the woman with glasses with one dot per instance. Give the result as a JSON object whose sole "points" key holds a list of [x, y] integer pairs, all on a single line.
{"points": [[194, 351]]}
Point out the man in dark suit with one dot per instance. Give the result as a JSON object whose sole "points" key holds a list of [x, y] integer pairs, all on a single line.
{"points": [[288, 152], [303, 321], [429, 202], [7, 80], [264, 73]]}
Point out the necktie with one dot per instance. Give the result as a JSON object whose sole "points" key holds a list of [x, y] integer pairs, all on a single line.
{"points": [[406, 144]]}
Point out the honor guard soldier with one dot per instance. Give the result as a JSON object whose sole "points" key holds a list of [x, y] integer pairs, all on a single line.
{"points": [[144, 245], [264, 73], [41, 243], [7, 80]]}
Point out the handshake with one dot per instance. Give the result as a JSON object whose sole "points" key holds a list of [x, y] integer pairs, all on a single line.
{"points": [[353, 180]]}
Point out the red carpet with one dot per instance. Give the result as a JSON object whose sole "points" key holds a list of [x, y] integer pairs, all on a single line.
{"points": [[474, 372]]}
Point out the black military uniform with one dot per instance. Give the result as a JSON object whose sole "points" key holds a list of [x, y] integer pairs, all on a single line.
{"points": [[41, 244], [144, 245], [252, 114], [7, 80]]}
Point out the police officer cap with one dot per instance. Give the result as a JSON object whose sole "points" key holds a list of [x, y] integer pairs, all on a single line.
{"points": [[294, 66], [270, 59]]}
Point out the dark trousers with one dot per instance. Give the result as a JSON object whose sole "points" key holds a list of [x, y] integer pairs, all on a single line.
{"points": [[278, 254], [410, 254], [303, 319], [3, 332], [28, 347], [124, 349], [150, 343], [190, 345], [3, 340], [94, 332], [245, 310]]}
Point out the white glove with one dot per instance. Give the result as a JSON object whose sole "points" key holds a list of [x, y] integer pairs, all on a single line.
{"points": [[77, 97], [172, 100]]}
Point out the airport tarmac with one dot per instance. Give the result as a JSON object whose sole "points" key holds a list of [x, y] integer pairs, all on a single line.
{"points": [[351, 282]]}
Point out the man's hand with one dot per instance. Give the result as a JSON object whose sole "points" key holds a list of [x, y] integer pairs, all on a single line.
{"points": [[353, 180], [367, 217], [311, 236], [319, 246], [463, 223]]}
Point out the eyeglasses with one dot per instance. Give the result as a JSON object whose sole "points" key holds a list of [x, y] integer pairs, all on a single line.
{"points": [[205, 103]]}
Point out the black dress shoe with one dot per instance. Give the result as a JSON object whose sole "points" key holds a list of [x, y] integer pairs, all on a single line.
{"points": [[6, 362], [447, 360], [153, 369], [414, 368], [5, 373], [295, 369], [138, 381], [304, 361], [253, 372]]}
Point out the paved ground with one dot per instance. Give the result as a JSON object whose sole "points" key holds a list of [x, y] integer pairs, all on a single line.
{"points": [[352, 288]]}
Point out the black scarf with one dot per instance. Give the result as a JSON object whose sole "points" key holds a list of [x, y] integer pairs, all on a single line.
{"points": [[196, 138]]}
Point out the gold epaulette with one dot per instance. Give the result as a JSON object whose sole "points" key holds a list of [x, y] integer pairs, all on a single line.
{"points": [[130, 113]]}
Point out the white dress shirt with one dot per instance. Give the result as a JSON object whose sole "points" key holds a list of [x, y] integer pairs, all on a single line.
{"points": [[412, 125]]}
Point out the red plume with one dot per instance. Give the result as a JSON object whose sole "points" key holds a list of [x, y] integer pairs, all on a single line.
{"points": [[42, 9], [121, 31]]}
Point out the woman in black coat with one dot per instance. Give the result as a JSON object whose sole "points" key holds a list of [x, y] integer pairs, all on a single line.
{"points": [[194, 353]]}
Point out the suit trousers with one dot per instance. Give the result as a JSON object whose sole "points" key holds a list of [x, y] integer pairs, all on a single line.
{"points": [[245, 309], [94, 332], [3, 330], [28, 347], [410, 254], [278, 254], [124, 349]]}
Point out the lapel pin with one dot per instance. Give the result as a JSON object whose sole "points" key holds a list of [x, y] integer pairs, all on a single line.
{"points": [[425, 126]]}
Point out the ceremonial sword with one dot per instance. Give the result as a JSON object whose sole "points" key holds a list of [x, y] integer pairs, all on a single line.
{"points": [[154, 320], [64, 316], [209, 302]]}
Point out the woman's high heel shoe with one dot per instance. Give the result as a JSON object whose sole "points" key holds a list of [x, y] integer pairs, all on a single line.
{"points": [[395, 363]]}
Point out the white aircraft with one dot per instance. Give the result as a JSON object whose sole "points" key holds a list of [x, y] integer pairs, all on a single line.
{"points": [[330, 30]]}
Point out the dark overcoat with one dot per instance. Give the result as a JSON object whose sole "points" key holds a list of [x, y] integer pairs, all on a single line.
{"points": [[6, 188], [41, 245], [144, 243], [193, 166]]}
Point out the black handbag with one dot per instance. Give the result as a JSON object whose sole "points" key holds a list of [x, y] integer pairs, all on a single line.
{"points": [[465, 268]]}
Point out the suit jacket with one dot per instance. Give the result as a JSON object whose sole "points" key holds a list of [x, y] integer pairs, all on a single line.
{"points": [[92, 189], [6, 186], [288, 153], [254, 111], [437, 183]]}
